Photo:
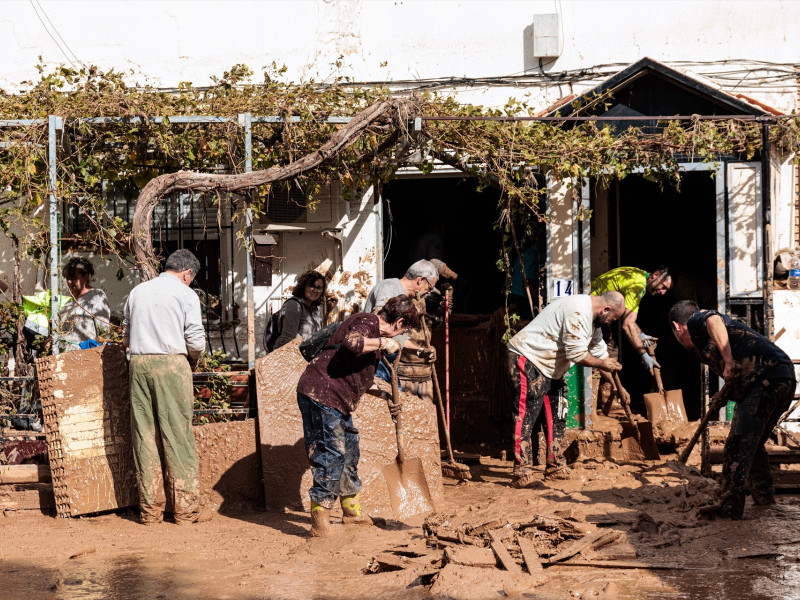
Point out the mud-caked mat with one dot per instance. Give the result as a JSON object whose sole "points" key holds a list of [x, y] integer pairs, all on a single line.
{"points": [[86, 408]]}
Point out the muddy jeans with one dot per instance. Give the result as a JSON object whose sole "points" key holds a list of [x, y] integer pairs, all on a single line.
{"points": [[332, 448], [161, 420], [745, 463], [531, 388]]}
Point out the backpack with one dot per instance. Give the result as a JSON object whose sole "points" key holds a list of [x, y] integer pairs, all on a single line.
{"points": [[319, 342], [272, 332]]}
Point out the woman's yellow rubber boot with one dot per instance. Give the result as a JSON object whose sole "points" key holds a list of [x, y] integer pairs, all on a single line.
{"points": [[351, 511], [320, 520]]}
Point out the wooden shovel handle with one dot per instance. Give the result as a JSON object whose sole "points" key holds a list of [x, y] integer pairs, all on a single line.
{"points": [[651, 350], [625, 401], [719, 399], [398, 418]]}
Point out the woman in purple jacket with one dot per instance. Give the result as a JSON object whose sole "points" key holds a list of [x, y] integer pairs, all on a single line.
{"points": [[328, 393]]}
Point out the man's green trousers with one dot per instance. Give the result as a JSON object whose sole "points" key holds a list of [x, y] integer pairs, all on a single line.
{"points": [[161, 419]]}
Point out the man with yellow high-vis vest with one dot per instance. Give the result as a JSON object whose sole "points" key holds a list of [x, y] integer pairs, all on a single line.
{"points": [[633, 284]]}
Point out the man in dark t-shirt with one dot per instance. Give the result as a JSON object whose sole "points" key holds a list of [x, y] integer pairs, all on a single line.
{"points": [[764, 383], [328, 393]]}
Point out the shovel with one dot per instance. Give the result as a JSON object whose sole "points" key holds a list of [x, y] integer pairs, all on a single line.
{"points": [[644, 443], [405, 477], [664, 406]]}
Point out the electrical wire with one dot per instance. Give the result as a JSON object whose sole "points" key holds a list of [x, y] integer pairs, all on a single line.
{"points": [[34, 4]]}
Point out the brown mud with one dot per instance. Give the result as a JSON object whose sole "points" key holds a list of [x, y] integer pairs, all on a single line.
{"points": [[651, 510]]}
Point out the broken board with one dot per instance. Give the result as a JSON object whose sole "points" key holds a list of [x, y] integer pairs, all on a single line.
{"points": [[86, 408], [287, 477]]}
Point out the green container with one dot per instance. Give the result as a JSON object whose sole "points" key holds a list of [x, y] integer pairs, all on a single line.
{"points": [[729, 407], [574, 381]]}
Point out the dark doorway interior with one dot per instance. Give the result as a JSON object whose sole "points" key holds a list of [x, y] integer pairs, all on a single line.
{"points": [[677, 228], [464, 217]]}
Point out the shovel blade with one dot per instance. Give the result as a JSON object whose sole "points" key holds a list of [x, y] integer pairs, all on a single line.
{"points": [[633, 449], [666, 408], [408, 488]]}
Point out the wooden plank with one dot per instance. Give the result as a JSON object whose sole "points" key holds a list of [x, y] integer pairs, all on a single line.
{"points": [[530, 556], [27, 496], [471, 556], [778, 455], [502, 554], [575, 547], [10, 474], [619, 564]]}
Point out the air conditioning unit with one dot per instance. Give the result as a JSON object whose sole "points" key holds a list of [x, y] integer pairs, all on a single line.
{"points": [[287, 209]]}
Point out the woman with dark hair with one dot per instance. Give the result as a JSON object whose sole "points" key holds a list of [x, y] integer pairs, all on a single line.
{"points": [[328, 393], [301, 314], [87, 316]]}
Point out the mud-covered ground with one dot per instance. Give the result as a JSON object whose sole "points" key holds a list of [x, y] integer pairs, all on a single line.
{"points": [[268, 554]]}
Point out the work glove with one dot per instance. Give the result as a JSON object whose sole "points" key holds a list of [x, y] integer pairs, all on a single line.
{"points": [[648, 340], [611, 365], [390, 346], [427, 354], [649, 362]]}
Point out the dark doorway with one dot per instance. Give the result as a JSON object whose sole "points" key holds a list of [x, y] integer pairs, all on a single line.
{"points": [[674, 227], [464, 217]]}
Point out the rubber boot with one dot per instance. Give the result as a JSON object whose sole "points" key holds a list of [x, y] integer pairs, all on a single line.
{"points": [[320, 520], [351, 511]]}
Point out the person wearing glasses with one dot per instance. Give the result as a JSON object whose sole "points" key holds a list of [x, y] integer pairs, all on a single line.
{"points": [[420, 278], [301, 315]]}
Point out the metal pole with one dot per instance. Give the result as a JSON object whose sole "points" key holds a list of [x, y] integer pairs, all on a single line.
{"points": [[766, 209], [53, 123], [246, 120]]}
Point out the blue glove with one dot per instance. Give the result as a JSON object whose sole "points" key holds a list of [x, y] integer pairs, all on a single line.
{"points": [[89, 344], [648, 340], [649, 362]]}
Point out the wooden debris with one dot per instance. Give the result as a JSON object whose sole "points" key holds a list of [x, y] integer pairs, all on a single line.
{"points": [[502, 554], [83, 552], [619, 564], [470, 556], [575, 547], [531, 558], [486, 527], [24, 474], [529, 555]]}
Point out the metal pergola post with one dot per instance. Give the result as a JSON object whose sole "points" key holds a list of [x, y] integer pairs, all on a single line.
{"points": [[246, 121], [53, 124]]}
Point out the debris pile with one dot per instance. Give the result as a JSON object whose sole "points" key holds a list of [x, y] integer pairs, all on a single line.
{"points": [[466, 560]]}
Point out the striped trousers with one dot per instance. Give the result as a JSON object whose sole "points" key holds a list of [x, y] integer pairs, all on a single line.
{"points": [[532, 392]]}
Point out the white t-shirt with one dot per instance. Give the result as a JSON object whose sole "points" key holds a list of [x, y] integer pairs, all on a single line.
{"points": [[163, 316], [561, 335]]}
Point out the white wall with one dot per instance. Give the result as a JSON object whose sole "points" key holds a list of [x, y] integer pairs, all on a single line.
{"points": [[167, 42]]}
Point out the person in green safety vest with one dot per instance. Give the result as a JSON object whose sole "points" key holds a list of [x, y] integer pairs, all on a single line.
{"points": [[633, 284]]}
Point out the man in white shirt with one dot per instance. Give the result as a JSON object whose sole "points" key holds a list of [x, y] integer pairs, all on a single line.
{"points": [[566, 332], [420, 278], [164, 333]]}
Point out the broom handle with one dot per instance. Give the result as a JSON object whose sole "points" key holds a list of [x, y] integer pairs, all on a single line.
{"points": [[438, 393], [447, 362]]}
